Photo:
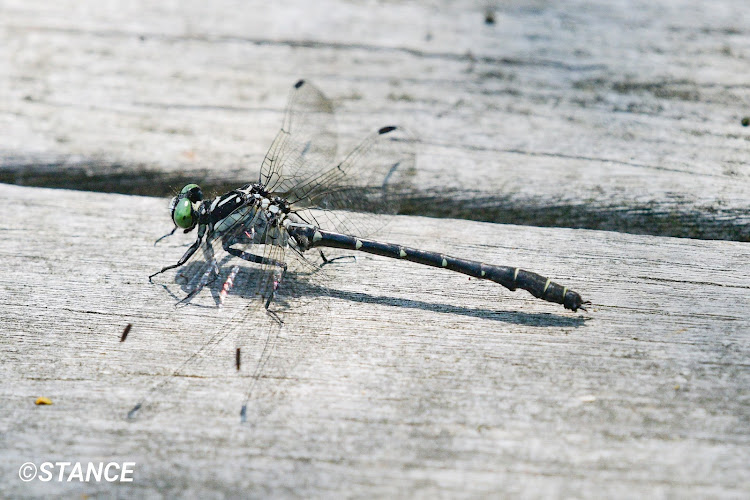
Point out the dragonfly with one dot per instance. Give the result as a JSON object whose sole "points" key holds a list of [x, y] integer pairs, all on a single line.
{"points": [[305, 200]]}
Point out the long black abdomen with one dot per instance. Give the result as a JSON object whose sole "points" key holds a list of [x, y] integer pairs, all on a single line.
{"points": [[510, 277]]}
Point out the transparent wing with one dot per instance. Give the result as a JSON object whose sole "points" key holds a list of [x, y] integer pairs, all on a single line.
{"points": [[298, 311], [374, 179], [300, 167], [270, 345], [305, 145], [207, 269]]}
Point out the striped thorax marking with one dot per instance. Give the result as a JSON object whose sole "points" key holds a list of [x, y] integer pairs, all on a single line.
{"points": [[515, 274], [546, 285], [233, 199], [317, 236]]}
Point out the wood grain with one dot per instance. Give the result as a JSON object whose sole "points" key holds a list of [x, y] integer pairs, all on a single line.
{"points": [[613, 115], [419, 382], [387, 379]]}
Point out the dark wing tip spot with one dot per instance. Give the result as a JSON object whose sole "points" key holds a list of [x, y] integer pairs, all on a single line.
{"points": [[299, 84], [385, 130]]}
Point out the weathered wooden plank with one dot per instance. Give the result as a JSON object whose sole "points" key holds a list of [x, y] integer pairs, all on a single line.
{"points": [[422, 383], [615, 115]]}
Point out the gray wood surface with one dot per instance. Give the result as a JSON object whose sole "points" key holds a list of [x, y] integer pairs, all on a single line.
{"points": [[616, 115], [420, 382], [388, 378]]}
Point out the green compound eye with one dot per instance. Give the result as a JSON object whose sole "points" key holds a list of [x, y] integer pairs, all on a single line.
{"points": [[183, 214], [192, 192]]}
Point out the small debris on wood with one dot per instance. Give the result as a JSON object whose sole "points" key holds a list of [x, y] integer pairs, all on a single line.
{"points": [[125, 332], [43, 401]]}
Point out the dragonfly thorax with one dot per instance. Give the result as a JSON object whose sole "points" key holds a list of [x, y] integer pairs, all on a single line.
{"points": [[250, 205]]}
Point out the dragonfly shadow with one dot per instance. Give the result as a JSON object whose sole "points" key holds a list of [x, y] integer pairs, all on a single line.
{"points": [[298, 287], [186, 285], [515, 317]]}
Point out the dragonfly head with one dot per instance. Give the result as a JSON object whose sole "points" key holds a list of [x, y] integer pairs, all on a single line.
{"points": [[185, 206]]}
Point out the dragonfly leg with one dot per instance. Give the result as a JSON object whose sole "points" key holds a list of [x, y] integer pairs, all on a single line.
{"points": [[212, 268], [209, 275], [166, 235], [326, 260], [251, 257], [189, 253], [275, 316], [277, 279]]}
